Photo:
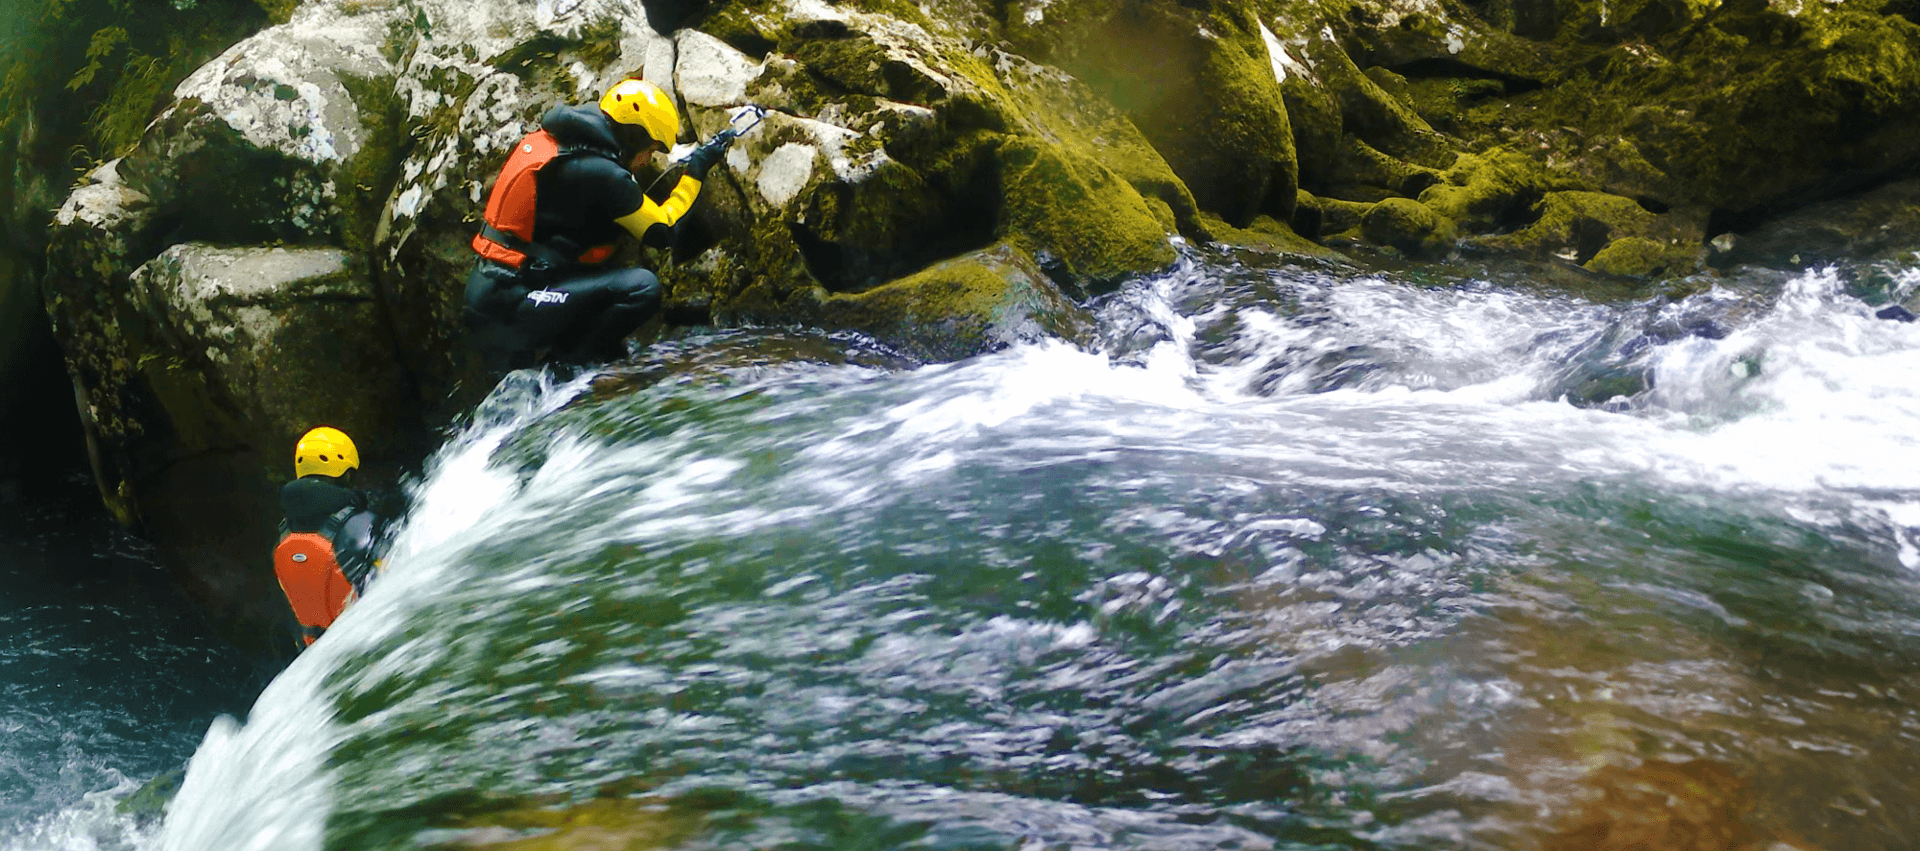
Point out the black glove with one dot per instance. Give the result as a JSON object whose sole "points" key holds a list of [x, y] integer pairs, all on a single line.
{"points": [[702, 159]]}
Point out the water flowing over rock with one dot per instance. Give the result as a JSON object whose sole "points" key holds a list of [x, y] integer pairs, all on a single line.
{"points": [[945, 178]]}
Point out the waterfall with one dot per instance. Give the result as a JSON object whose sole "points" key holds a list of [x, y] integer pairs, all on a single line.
{"points": [[1293, 559]]}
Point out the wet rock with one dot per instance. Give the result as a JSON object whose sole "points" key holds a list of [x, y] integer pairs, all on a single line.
{"points": [[960, 307], [1747, 110], [148, 805], [1364, 174], [1340, 217], [1375, 115], [266, 144], [1879, 225], [1638, 256]]}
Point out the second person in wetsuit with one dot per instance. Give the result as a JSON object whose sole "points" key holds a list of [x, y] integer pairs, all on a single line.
{"points": [[563, 202], [329, 541]]}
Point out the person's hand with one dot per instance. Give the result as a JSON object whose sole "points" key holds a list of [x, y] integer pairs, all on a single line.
{"points": [[702, 159]]}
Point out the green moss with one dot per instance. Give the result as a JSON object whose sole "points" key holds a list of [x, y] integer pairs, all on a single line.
{"points": [[959, 307], [1068, 114], [1494, 191], [1056, 169], [1340, 216], [1364, 173], [149, 804], [366, 181], [1375, 115], [1407, 225], [1080, 210], [279, 11], [742, 30], [1638, 256], [1267, 234], [849, 63], [898, 9], [1576, 225], [1196, 84], [1244, 135], [1735, 108]]}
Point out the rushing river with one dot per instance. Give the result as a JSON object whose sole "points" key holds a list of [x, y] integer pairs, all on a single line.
{"points": [[1292, 560]]}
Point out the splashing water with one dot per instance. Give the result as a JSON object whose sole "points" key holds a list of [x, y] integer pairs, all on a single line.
{"points": [[1294, 561]]}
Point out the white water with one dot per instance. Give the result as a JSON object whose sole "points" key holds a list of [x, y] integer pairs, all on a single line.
{"points": [[263, 786], [1827, 427]]}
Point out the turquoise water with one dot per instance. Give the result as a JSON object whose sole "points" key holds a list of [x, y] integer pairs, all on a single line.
{"points": [[1289, 561]]}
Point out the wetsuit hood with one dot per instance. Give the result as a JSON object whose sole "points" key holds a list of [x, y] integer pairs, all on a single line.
{"points": [[308, 501], [582, 127]]}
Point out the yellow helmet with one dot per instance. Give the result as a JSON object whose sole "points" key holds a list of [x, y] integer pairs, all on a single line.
{"points": [[644, 105], [325, 451]]}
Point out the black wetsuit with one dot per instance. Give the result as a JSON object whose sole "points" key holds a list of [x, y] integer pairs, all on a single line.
{"points": [[341, 514], [587, 311]]}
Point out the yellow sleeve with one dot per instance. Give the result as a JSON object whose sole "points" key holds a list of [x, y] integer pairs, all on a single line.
{"points": [[667, 213]]}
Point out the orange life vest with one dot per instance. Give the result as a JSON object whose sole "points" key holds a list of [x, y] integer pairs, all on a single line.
{"points": [[507, 234], [311, 577]]}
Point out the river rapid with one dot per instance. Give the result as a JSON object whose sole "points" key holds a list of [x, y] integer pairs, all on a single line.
{"points": [[1292, 559]]}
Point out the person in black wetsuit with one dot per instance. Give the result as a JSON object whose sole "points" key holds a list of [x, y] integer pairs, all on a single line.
{"points": [[329, 541], [563, 202]]}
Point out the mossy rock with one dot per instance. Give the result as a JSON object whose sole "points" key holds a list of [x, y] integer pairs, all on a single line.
{"points": [[857, 63], [1339, 215], [1269, 235], [1098, 226], [1639, 256], [1747, 109], [1062, 111], [1199, 85], [1407, 225], [1365, 174], [1374, 114], [1314, 116], [1494, 192], [1789, 123], [956, 308], [1881, 224], [1575, 226], [1443, 35]]}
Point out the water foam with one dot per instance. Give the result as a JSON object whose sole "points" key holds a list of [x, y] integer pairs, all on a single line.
{"points": [[264, 786]]}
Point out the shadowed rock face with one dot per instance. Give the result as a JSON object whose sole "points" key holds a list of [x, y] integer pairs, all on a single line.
{"points": [[946, 178]]}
